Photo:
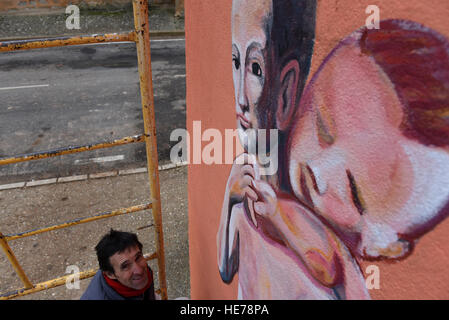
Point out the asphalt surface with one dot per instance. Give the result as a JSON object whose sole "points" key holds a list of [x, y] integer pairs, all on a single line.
{"points": [[79, 95]]}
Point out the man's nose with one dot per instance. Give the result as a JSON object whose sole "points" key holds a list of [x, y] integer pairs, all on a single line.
{"points": [[138, 269]]}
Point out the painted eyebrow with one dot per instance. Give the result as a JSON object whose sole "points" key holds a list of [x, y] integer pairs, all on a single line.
{"points": [[236, 50], [252, 46]]}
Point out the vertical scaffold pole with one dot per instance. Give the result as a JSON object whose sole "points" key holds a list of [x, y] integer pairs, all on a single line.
{"points": [[13, 260], [141, 24]]}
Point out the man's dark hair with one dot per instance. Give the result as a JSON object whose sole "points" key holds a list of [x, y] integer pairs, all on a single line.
{"points": [[113, 242]]}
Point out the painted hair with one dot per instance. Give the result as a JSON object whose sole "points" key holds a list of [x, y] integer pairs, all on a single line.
{"points": [[416, 60], [290, 30], [293, 34]]}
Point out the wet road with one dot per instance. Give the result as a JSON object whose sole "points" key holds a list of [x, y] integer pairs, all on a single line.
{"points": [[72, 96]]}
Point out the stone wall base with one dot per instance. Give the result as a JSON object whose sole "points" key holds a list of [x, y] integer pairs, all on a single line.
{"points": [[14, 5]]}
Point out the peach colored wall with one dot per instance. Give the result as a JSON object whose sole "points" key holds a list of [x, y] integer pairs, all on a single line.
{"points": [[210, 98]]}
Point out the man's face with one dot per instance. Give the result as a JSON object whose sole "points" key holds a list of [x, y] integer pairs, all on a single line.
{"points": [[130, 268], [249, 42]]}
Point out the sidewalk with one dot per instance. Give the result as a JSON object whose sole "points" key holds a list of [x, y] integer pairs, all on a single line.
{"points": [[46, 256], [52, 22]]}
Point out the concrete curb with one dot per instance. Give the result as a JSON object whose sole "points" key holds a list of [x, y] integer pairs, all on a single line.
{"points": [[100, 175]]}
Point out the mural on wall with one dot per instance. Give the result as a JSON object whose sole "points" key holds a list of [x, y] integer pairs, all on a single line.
{"points": [[363, 152]]}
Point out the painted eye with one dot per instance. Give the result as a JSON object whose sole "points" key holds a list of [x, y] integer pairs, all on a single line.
{"points": [[257, 70], [236, 63]]}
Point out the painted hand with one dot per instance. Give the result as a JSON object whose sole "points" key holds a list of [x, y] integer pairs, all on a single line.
{"points": [[266, 204], [240, 182]]}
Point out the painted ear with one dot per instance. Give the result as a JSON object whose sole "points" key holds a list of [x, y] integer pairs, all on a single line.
{"points": [[287, 94]]}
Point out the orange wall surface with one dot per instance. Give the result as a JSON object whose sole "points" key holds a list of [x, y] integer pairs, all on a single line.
{"points": [[210, 99]]}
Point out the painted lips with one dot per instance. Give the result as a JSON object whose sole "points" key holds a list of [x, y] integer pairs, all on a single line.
{"points": [[244, 122]]}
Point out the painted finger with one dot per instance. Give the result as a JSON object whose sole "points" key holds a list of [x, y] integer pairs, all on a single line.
{"points": [[255, 166], [252, 213], [264, 189], [251, 194], [246, 181], [260, 208], [260, 195], [248, 170], [242, 159]]}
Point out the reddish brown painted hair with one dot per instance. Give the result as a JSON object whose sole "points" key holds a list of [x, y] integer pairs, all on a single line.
{"points": [[416, 59]]}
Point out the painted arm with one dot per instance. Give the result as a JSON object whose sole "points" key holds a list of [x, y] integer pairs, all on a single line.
{"points": [[238, 189], [302, 232]]}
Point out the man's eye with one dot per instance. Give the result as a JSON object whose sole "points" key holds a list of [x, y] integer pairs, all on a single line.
{"points": [[257, 70], [236, 63]]}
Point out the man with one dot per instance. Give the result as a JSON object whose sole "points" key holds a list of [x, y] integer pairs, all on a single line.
{"points": [[271, 53], [124, 273]]}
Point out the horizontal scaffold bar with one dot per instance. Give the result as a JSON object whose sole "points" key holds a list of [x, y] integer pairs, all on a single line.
{"points": [[103, 215], [13, 45], [70, 150]]}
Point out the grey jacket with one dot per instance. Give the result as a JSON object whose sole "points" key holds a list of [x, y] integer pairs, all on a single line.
{"points": [[99, 289]]}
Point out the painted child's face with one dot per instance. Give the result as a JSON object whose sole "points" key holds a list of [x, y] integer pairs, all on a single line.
{"points": [[248, 61], [350, 161]]}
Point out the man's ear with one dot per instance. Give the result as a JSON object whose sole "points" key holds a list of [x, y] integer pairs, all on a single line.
{"points": [[110, 275], [286, 99]]}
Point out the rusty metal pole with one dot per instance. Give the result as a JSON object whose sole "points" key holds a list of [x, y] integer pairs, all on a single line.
{"points": [[12, 258], [142, 30], [14, 45]]}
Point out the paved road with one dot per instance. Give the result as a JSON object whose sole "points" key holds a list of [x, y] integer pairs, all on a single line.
{"points": [[78, 95]]}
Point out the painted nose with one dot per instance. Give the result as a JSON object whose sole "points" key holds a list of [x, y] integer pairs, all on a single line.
{"points": [[242, 99]]}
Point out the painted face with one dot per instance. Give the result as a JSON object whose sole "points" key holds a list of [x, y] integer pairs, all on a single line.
{"points": [[248, 61], [350, 161], [130, 268]]}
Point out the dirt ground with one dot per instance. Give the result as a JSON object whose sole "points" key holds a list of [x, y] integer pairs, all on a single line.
{"points": [[46, 256]]}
